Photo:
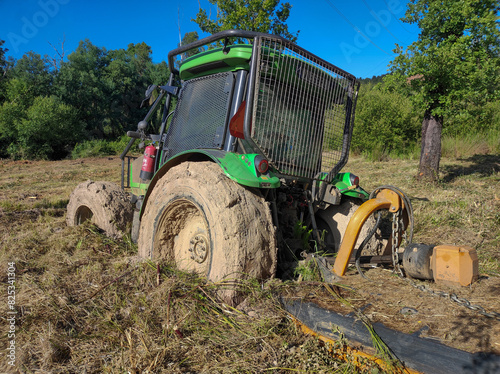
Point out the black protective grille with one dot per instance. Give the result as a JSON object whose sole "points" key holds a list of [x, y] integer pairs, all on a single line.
{"points": [[303, 110], [200, 116]]}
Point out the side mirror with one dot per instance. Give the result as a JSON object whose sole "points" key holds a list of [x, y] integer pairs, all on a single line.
{"points": [[148, 94]]}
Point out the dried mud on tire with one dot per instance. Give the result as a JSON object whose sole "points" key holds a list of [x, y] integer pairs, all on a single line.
{"points": [[110, 207], [335, 219], [195, 210]]}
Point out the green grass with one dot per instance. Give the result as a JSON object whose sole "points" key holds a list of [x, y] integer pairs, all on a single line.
{"points": [[452, 146], [471, 144]]}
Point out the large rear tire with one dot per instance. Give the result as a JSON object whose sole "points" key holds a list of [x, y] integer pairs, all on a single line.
{"points": [[105, 204], [202, 221], [334, 220]]}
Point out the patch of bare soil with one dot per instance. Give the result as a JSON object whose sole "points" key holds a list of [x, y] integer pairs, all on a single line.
{"points": [[396, 303]]}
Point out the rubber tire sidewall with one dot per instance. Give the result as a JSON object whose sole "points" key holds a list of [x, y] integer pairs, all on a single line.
{"points": [[110, 206], [242, 237], [337, 217]]}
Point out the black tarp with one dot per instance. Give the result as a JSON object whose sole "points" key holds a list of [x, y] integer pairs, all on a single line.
{"points": [[420, 354]]}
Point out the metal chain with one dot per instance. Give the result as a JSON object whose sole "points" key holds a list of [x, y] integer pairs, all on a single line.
{"points": [[395, 242], [453, 297], [396, 225], [478, 308]]}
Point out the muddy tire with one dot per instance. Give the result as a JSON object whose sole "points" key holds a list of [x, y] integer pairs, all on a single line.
{"points": [[103, 203], [334, 221], [202, 221]]}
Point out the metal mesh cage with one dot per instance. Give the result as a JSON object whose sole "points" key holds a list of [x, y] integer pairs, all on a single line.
{"points": [[303, 109], [201, 114]]}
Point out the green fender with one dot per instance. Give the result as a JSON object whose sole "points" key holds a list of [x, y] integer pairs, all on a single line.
{"points": [[345, 187], [238, 167]]}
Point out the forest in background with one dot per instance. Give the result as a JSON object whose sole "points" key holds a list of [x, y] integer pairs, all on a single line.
{"points": [[83, 105]]}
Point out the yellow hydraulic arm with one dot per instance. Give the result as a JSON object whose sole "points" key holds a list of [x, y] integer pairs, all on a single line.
{"points": [[385, 199], [451, 264]]}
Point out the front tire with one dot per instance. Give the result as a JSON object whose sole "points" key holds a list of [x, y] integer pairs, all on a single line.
{"points": [[105, 204], [199, 219]]}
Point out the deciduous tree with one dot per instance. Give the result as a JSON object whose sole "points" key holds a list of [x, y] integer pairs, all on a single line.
{"points": [[385, 122], [3, 70], [2, 58], [30, 77], [82, 83], [190, 37], [454, 65], [252, 15]]}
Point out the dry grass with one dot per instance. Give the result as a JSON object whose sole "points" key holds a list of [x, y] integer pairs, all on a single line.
{"points": [[87, 304]]}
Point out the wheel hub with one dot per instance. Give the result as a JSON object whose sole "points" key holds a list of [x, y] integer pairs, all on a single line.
{"points": [[199, 248]]}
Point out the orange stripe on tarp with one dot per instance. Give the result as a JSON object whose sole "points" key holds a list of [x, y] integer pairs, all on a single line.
{"points": [[349, 354]]}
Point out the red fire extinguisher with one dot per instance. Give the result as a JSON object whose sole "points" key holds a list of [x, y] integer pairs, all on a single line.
{"points": [[148, 163]]}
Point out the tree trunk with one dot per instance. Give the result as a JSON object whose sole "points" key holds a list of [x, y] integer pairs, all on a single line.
{"points": [[430, 153]]}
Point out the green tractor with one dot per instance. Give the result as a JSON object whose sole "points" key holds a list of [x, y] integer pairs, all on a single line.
{"points": [[253, 133]]}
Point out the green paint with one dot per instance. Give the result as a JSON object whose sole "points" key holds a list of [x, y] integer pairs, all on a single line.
{"points": [[343, 183], [235, 57], [238, 167], [137, 189], [241, 169]]}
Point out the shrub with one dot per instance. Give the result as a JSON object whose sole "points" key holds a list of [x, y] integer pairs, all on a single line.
{"points": [[385, 122], [49, 130], [10, 115], [101, 147]]}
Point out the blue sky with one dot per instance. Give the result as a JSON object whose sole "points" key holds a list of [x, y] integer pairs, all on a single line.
{"points": [[356, 35]]}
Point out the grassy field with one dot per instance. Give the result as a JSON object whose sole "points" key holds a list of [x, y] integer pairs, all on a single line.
{"points": [[86, 304]]}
